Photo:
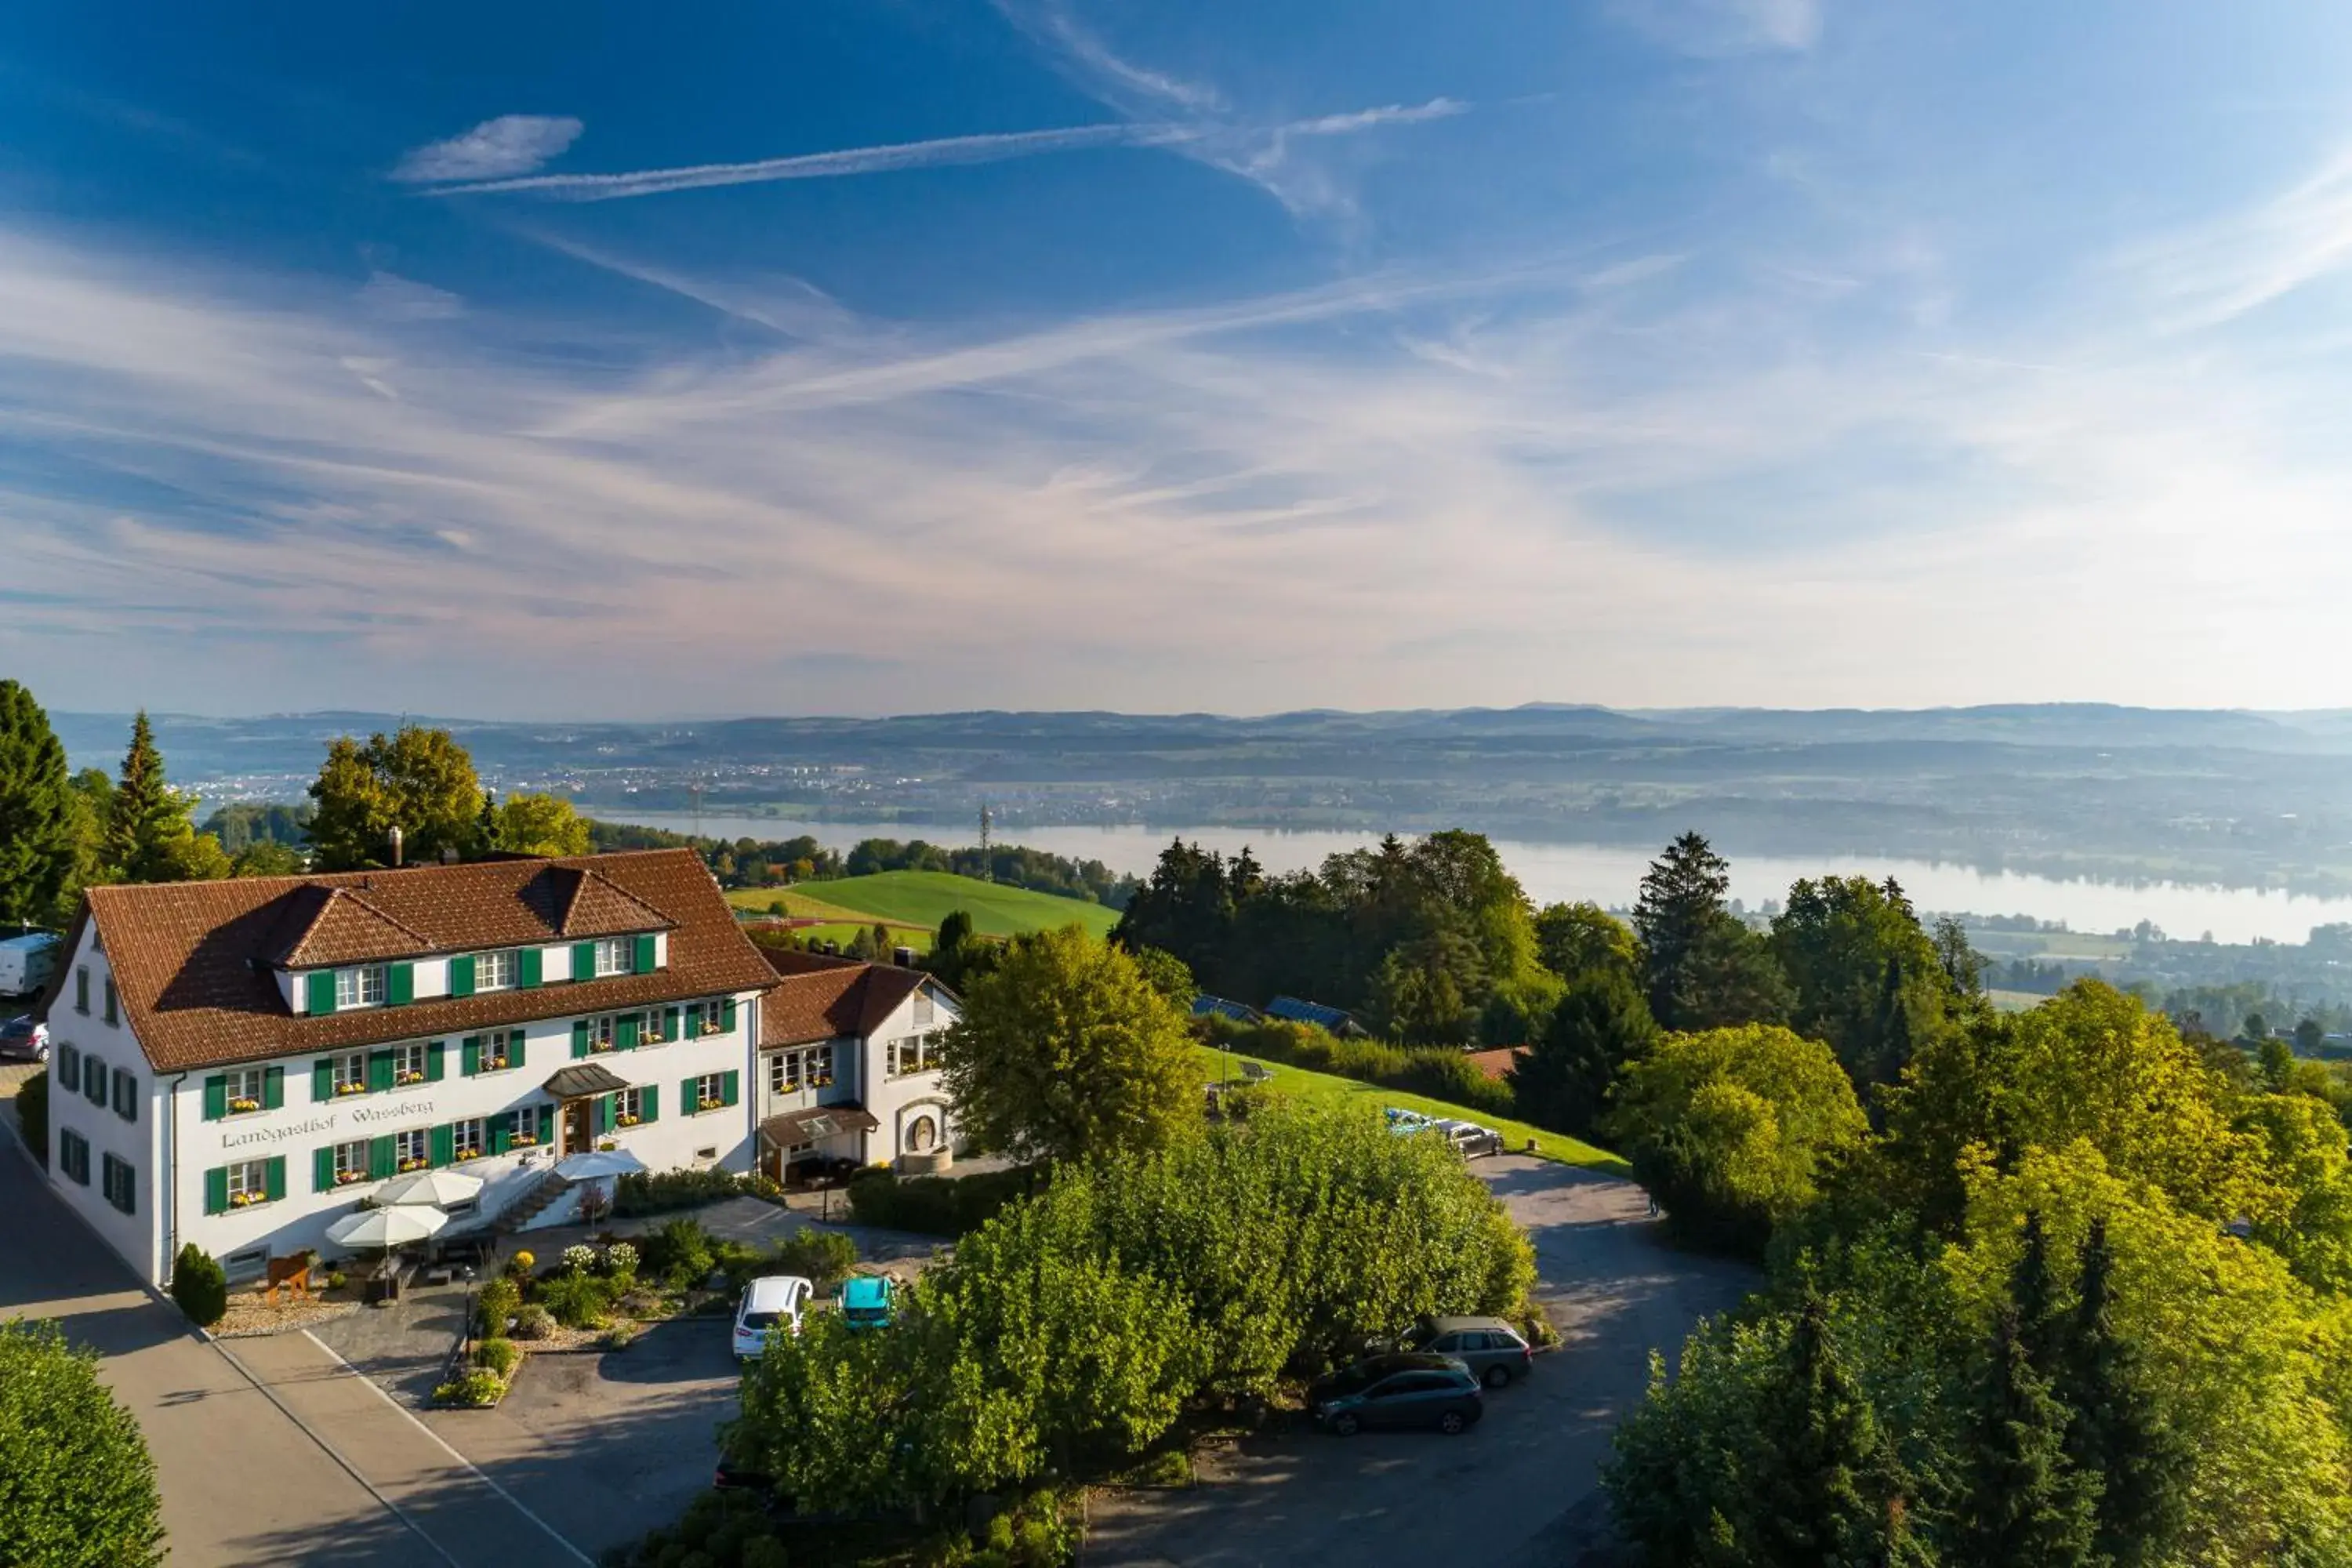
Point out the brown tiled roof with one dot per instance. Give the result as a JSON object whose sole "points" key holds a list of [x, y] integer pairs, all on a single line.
{"points": [[336, 925], [192, 960], [818, 997]]}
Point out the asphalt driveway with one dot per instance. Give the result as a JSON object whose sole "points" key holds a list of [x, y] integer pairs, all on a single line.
{"points": [[1521, 1488]]}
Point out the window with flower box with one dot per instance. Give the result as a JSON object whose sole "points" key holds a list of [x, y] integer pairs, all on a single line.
{"points": [[412, 1149], [601, 1034], [347, 1074], [711, 1091], [629, 1107], [244, 1089], [496, 1051], [711, 1017], [248, 1183], [811, 1066], [408, 1064], [658, 1026], [347, 1163], [528, 1126], [468, 1139], [914, 1054]]}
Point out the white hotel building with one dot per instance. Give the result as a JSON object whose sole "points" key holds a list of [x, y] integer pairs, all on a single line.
{"points": [[235, 1064]]}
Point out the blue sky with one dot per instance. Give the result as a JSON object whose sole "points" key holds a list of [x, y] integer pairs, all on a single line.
{"points": [[571, 361]]}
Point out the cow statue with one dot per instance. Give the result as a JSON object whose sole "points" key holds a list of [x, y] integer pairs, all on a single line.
{"points": [[294, 1270]]}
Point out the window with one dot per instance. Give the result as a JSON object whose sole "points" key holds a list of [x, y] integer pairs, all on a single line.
{"points": [[613, 957], [923, 1008], [651, 1030], [407, 1063], [126, 1097], [531, 1126], [361, 987], [914, 1054], [710, 1091], [789, 1072], [412, 1149], [248, 1183], [494, 971], [73, 1155], [113, 1009], [351, 1162], [93, 1080], [70, 1068], [628, 1107], [499, 1050], [244, 1089], [81, 990], [118, 1182], [468, 1139], [350, 1073]]}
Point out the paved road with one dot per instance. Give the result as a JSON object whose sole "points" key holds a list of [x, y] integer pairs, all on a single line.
{"points": [[244, 1481], [1519, 1489]]}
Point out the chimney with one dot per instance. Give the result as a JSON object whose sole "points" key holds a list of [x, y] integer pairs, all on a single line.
{"points": [[394, 838], [904, 957]]}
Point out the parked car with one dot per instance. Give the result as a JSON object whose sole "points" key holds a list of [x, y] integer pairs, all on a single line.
{"points": [[1493, 1350], [869, 1300], [26, 961], [771, 1301], [1403, 1122], [1470, 1140], [1394, 1390], [25, 1039]]}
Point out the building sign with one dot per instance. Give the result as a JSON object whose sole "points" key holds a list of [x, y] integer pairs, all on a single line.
{"points": [[407, 1110]]}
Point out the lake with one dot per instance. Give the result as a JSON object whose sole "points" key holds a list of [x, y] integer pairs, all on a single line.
{"points": [[1611, 875]]}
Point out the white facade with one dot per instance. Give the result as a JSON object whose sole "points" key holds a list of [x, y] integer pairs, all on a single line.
{"points": [[183, 1144], [892, 1072]]}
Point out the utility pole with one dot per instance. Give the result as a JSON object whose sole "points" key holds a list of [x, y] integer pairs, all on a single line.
{"points": [[987, 870], [695, 789]]}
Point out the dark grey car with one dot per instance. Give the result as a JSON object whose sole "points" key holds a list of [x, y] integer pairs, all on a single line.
{"points": [[1489, 1347], [1390, 1391]]}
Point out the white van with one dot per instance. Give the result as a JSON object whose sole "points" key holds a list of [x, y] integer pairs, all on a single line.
{"points": [[27, 962]]}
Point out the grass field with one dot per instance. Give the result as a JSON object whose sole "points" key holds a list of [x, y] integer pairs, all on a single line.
{"points": [[923, 898], [1324, 1089]]}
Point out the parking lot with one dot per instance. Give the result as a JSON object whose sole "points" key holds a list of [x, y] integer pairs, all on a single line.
{"points": [[1519, 1488]]}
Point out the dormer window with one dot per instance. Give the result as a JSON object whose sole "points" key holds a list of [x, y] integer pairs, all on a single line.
{"points": [[612, 956], [494, 971], [364, 987]]}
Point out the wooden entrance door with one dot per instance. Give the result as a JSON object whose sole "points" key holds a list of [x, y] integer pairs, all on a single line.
{"points": [[577, 1135]]}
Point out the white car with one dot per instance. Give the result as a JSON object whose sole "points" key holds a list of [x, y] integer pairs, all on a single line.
{"points": [[1470, 1140], [771, 1301]]}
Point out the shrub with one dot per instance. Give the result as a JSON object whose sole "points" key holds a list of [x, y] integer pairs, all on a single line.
{"points": [[533, 1322], [579, 1258], [620, 1258], [474, 1390], [659, 1192], [337, 1280], [76, 1481], [935, 1206], [764, 1551], [739, 1261], [575, 1300], [824, 1255], [1439, 1072], [498, 1301], [620, 1336], [678, 1254], [499, 1355], [33, 1114], [200, 1285]]}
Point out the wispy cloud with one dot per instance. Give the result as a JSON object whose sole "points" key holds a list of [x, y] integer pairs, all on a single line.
{"points": [[2217, 271], [1724, 27], [510, 144], [398, 299]]}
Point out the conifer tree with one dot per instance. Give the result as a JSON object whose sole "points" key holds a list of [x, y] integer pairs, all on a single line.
{"points": [[1828, 1492], [1597, 1027], [150, 834], [2119, 1434], [2024, 1503], [38, 839]]}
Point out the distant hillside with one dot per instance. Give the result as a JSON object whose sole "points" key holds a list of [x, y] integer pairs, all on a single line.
{"points": [[926, 897]]}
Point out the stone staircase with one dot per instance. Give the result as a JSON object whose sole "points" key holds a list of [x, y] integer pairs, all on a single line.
{"points": [[518, 1215]]}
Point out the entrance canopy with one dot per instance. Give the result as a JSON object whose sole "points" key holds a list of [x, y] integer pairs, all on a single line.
{"points": [[817, 1123], [583, 1079]]}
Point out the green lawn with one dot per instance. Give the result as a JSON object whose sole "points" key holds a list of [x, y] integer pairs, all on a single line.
{"points": [[926, 897], [1324, 1089]]}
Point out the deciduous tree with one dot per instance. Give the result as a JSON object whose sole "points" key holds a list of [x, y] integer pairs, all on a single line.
{"points": [[1867, 978], [531, 823], [1573, 940], [76, 1485], [418, 780]]}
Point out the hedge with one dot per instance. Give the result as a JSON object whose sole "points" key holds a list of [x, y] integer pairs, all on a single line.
{"points": [[1434, 1070], [935, 1206]]}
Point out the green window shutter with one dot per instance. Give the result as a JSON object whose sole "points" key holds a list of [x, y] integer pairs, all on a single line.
{"points": [[726, 1016], [649, 1102], [469, 1055], [442, 1143], [383, 1156], [434, 1067], [275, 1169], [625, 1032], [601, 1119], [400, 985], [379, 1077], [322, 1169], [320, 991], [687, 1103], [461, 975], [216, 1097], [583, 961], [527, 967], [273, 1088], [729, 1087], [517, 1038], [669, 1023], [578, 1037], [322, 1081], [501, 1131], [216, 1190], [642, 953]]}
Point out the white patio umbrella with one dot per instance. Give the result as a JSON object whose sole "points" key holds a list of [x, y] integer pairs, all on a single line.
{"points": [[598, 1163], [386, 1227], [435, 1187]]}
